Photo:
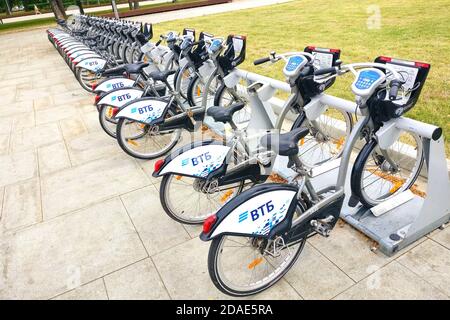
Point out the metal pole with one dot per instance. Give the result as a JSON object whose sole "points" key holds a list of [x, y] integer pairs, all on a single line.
{"points": [[114, 7]]}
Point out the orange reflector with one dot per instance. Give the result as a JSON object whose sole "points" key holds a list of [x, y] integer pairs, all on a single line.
{"points": [[339, 142], [302, 141], [199, 92], [178, 177], [254, 263], [226, 196], [134, 143]]}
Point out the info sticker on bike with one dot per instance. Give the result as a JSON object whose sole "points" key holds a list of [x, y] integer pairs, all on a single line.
{"points": [[258, 215], [322, 60], [408, 74]]}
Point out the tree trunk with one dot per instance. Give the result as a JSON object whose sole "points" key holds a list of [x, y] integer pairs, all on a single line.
{"points": [[56, 10], [136, 4], [130, 4], [61, 8], [8, 9]]}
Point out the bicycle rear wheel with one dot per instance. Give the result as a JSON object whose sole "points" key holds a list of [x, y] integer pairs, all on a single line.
{"points": [[242, 266], [143, 141]]}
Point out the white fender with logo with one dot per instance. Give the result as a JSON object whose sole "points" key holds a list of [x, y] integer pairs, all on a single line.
{"points": [[258, 215], [75, 47], [197, 162], [144, 111], [119, 98], [76, 52], [85, 56], [114, 83], [93, 64]]}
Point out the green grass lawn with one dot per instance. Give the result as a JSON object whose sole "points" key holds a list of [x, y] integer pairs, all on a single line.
{"points": [[410, 29]]}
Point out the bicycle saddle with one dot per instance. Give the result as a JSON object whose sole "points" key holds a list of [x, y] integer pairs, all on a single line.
{"points": [[285, 144], [224, 114], [161, 75], [128, 68]]}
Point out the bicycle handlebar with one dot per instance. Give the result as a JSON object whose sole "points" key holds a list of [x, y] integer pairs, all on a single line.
{"points": [[332, 70], [395, 85], [261, 61]]}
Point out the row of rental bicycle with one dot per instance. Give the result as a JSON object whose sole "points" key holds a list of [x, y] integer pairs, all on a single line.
{"points": [[148, 93]]}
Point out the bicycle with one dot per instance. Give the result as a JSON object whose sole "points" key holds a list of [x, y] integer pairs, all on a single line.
{"points": [[217, 171], [259, 235]]}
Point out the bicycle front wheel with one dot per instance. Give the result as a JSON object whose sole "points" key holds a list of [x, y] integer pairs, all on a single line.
{"points": [[378, 175], [326, 138]]}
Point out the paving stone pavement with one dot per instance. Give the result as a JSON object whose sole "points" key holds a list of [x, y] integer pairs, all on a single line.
{"points": [[80, 219]]}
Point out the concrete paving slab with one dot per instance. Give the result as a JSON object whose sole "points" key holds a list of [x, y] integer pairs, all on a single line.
{"points": [[43, 102], [4, 143], [34, 137], [91, 122], [17, 167], [443, 237], [6, 125], [350, 251], [80, 186], [12, 109], [92, 146], [393, 282], [22, 205], [72, 128], [157, 230], [38, 265], [94, 290], [55, 114], [431, 261], [23, 120], [53, 158], [184, 271], [140, 281], [315, 277]]}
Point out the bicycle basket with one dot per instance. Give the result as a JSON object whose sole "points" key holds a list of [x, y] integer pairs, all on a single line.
{"points": [[414, 73], [234, 54], [323, 58]]}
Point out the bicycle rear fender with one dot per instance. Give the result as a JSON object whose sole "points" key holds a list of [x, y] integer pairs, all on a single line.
{"points": [[92, 64], [143, 110], [264, 211], [114, 83], [85, 56], [198, 159], [120, 97], [79, 51], [76, 47]]}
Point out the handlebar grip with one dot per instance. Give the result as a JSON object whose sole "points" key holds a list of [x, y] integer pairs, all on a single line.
{"points": [[332, 70], [395, 85], [158, 43], [261, 61]]}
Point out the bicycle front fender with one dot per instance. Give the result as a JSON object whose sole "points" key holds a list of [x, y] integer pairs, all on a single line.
{"points": [[92, 64], [119, 97], [143, 110], [198, 159], [262, 211]]}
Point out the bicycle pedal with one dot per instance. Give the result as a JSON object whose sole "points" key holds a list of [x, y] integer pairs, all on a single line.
{"points": [[322, 226]]}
